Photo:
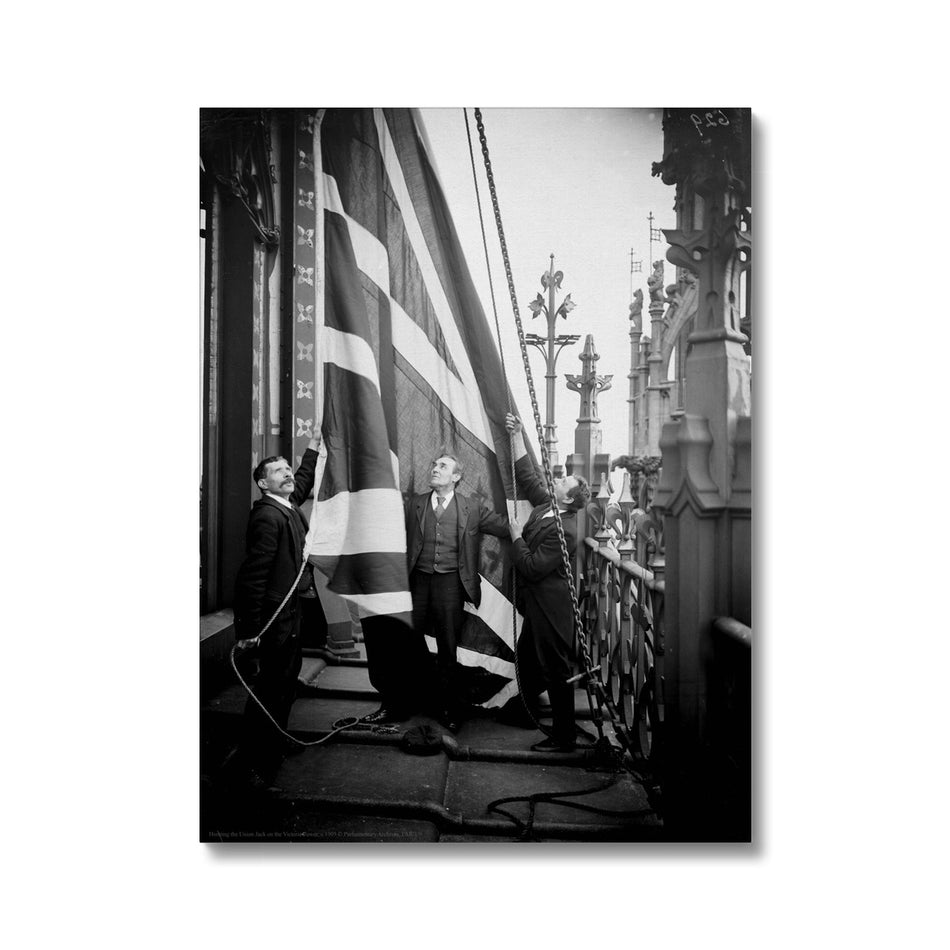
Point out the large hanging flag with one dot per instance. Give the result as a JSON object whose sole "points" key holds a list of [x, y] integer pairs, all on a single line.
{"points": [[409, 370]]}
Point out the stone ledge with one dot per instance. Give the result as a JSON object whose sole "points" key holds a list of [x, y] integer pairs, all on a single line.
{"points": [[216, 633]]}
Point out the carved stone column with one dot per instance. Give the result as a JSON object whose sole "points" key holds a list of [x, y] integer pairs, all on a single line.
{"points": [[643, 407], [657, 402], [657, 306], [709, 164], [636, 332], [588, 435], [705, 487], [308, 282]]}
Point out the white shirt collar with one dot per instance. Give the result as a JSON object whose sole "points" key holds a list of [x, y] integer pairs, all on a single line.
{"points": [[434, 499], [280, 498]]}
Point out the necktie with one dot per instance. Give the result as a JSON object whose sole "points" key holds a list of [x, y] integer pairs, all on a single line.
{"points": [[439, 506]]}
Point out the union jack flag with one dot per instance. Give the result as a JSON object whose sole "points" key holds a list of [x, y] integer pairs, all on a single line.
{"points": [[409, 367]]}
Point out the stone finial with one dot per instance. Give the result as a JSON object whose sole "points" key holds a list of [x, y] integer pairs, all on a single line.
{"points": [[655, 284], [636, 311], [588, 383]]}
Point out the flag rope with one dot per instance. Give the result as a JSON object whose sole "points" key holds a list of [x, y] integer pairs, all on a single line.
{"points": [[253, 642]]}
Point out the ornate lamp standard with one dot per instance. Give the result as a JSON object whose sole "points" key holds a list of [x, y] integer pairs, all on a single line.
{"points": [[551, 346]]}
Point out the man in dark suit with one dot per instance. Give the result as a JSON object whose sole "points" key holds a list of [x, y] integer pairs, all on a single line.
{"points": [[546, 644], [443, 535], [276, 533]]}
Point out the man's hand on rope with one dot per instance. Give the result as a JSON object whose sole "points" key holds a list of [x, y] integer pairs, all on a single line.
{"points": [[513, 425], [514, 528]]}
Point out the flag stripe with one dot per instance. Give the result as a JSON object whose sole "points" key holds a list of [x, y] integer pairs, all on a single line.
{"points": [[465, 404], [358, 507], [373, 572], [445, 252], [366, 197], [357, 445], [371, 254], [420, 248], [479, 636], [361, 522], [397, 604], [350, 352], [495, 612], [493, 664], [507, 692], [408, 337]]}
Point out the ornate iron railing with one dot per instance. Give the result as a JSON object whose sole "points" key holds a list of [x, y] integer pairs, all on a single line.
{"points": [[623, 590]]}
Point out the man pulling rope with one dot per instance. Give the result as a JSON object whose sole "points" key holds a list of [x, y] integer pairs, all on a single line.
{"points": [[546, 644]]}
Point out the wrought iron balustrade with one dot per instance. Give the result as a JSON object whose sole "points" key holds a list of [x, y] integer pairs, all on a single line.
{"points": [[624, 597]]}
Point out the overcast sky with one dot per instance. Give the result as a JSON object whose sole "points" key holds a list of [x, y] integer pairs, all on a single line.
{"points": [[575, 183]]}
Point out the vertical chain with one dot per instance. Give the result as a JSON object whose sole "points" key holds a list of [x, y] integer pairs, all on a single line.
{"points": [[511, 435]]}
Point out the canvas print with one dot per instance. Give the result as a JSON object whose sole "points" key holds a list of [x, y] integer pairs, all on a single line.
{"points": [[476, 475]]}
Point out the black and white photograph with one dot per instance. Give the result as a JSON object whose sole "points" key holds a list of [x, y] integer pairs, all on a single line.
{"points": [[476, 484], [386, 523]]}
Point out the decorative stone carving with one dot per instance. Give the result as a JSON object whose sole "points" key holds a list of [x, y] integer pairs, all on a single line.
{"points": [[655, 285], [685, 477], [636, 311], [707, 150], [717, 253], [588, 383], [236, 149]]}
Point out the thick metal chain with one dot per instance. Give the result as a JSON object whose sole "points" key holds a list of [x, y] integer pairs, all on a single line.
{"points": [[597, 696], [511, 436]]}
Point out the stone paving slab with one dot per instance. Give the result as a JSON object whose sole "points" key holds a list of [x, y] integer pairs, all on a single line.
{"points": [[319, 714], [472, 786], [363, 773], [348, 828], [345, 678]]}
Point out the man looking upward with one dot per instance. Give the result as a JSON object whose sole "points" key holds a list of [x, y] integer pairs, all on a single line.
{"points": [[546, 646], [276, 533], [443, 535]]}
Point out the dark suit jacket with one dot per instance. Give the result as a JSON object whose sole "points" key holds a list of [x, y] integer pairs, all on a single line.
{"points": [[274, 546], [543, 595], [474, 519]]}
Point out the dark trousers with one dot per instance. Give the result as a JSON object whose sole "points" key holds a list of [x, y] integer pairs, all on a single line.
{"points": [[397, 661], [544, 663], [313, 623], [438, 611], [278, 660]]}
